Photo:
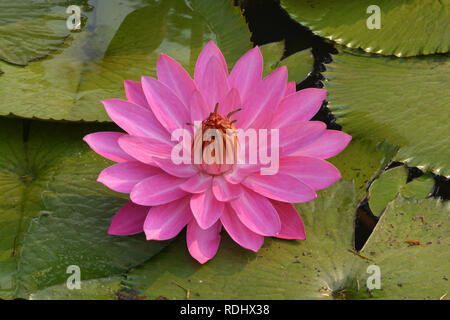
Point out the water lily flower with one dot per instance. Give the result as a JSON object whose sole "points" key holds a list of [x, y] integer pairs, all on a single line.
{"points": [[165, 197]]}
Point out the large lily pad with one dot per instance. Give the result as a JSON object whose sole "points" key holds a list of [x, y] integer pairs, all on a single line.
{"points": [[400, 100], [407, 27], [121, 40], [321, 267], [54, 214], [31, 29]]}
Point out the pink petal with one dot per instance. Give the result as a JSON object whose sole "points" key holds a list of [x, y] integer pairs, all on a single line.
{"points": [[326, 146], [247, 72], [290, 88], [106, 145], [206, 209], [122, 177], [166, 106], [230, 102], [135, 93], [300, 106], [291, 223], [158, 189], [134, 119], [173, 75], [238, 232], [281, 187], [198, 183], [178, 170], [128, 220], [240, 172], [263, 100], [243, 155], [203, 244], [144, 149], [210, 50], [316, 173], [296, 136], [256, 213], [166, 221], [225, 191], [197, 105], [213, 84]]}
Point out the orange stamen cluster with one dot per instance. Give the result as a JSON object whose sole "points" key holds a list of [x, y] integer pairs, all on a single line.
{"points": [[222, 123]]}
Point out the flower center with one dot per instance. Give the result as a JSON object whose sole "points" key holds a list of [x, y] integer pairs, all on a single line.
{"points": [[219, 142]]}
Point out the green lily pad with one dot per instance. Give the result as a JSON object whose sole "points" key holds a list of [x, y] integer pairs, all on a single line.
{"points": [[30, 30], [398, 100], [299, 64], [54, 214], [407, 27], [385, 188], [419, 188], [323, 266], [392, 182], [361, 161], [410, 271], [121, 40]]}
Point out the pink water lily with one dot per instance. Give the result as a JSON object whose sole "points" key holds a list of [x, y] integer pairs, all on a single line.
{"points": [[166, 197]]}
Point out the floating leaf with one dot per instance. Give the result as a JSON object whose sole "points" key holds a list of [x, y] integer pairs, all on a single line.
{"points": [[299, 64], [30, 29], [398, 100], [407, 27], [361, 161], [419, 188], [45, 232], [392, 182], [385, 188], [122, 40]]}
